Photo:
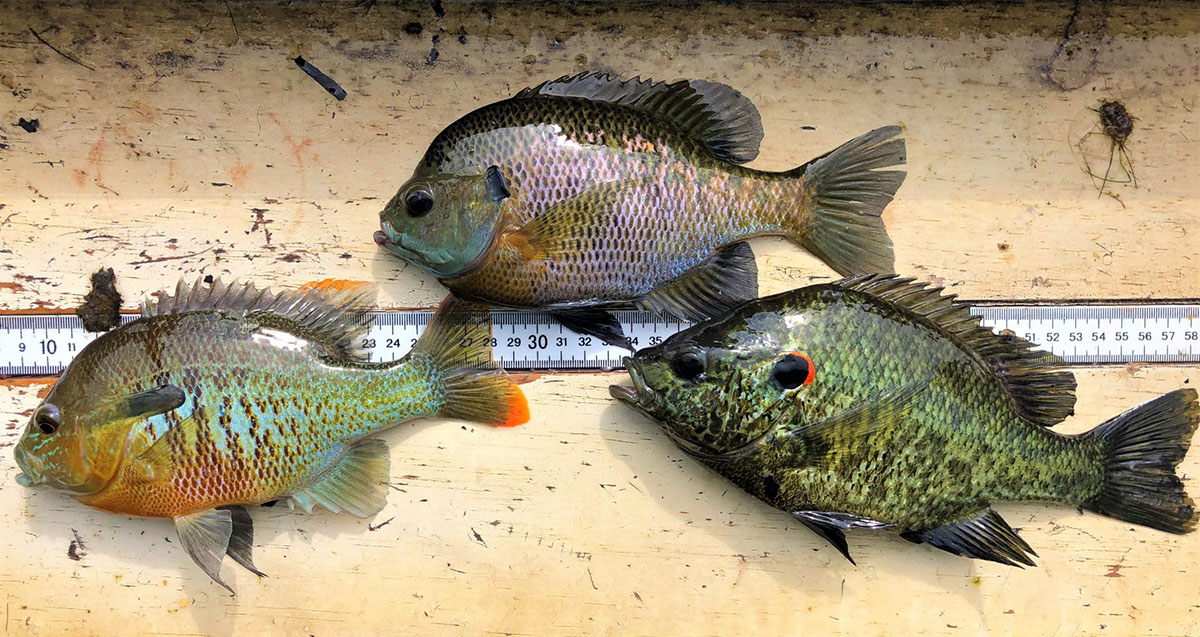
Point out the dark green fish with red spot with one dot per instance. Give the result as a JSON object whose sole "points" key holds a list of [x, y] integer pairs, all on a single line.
{"points": [[587, 192], [874, 402]]}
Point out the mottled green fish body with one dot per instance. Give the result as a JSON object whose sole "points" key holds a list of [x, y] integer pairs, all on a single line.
{"points": [[874, 402]]}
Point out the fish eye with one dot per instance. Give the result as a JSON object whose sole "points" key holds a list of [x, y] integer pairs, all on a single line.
{"points": [[793, 370], [47, 419], [689, 364], [419, 201]]}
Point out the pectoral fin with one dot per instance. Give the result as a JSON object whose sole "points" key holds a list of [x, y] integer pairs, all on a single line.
{"points": [[205, 536], [154, 463], [823, 438], [576, 225], [158, 400], [356, 483], [829, 525], [986, 537]]}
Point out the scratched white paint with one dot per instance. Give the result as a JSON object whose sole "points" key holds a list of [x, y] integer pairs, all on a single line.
{"points": [[232, 162]]}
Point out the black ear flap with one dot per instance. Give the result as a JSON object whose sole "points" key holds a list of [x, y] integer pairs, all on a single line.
{"points": [[792, 371], [154, 401], [496, 185]]}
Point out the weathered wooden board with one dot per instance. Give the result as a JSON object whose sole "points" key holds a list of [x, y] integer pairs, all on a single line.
{"points": [[196, 146]]}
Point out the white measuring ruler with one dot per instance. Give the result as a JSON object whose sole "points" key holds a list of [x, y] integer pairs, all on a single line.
{"points": [[42, 345]]}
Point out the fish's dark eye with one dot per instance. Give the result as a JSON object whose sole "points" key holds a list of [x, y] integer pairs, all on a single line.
{"points": [[47, 419], [419, 201], [793, 370], [689, 365]]}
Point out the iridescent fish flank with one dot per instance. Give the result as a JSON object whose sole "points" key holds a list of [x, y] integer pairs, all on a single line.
{"points": [[588, 192], [222, 396], [874, 402]]}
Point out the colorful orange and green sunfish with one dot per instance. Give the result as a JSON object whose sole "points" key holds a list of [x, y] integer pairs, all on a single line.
{"points": [[221, 396], [587, 192]]}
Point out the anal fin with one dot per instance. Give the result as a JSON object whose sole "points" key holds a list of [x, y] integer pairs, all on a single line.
{"points": [[712, 288], [356, 483], [829, 525], [597, 322], [986, 537], [205, 536], [241, 540]]}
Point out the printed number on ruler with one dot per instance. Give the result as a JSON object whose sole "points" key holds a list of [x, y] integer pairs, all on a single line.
{"points": [[1104, 333], [33, 345], [525, 340]]}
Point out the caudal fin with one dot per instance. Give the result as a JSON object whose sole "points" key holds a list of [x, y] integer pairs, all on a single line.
{"points": [[1141, 448], [458, 340], [847, 193]]}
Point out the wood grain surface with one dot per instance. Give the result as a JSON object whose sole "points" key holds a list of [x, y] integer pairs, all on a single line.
{"points": [[181, 140]]}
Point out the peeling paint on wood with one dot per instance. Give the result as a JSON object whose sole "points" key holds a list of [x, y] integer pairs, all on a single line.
{"points": [[196, 148]]}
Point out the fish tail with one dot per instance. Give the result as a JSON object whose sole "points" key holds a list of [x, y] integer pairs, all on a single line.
{"points": [[1141, 448], [845, 193], [458, 341]]}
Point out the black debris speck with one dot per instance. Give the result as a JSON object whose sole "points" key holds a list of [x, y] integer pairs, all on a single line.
{"points": [[376, 527], [431, 59], [438, 9], [325, 81], [30, 125], [101, 309], [76, 550], [413, 28]]}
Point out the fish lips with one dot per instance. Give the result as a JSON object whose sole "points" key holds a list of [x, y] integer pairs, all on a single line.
{"points": [[31, 467], [641, 397], [436, 262]]}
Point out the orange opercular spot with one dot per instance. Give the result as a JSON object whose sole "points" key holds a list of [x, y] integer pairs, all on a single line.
{"points": [[334, 285], [812, 368], [517, 412]]}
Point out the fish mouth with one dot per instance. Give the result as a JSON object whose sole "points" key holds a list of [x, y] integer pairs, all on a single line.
{"points": [[411, 251], [640, 396], [30, 467]]}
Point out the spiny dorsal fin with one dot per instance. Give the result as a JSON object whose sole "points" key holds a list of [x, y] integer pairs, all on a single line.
{"points": [[1042, 391], [331, 312], [716, 115]]}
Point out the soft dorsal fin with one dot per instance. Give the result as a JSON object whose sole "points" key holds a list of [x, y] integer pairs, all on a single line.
{"points": [[1043, 392], [331, 312], [716, 115]]}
